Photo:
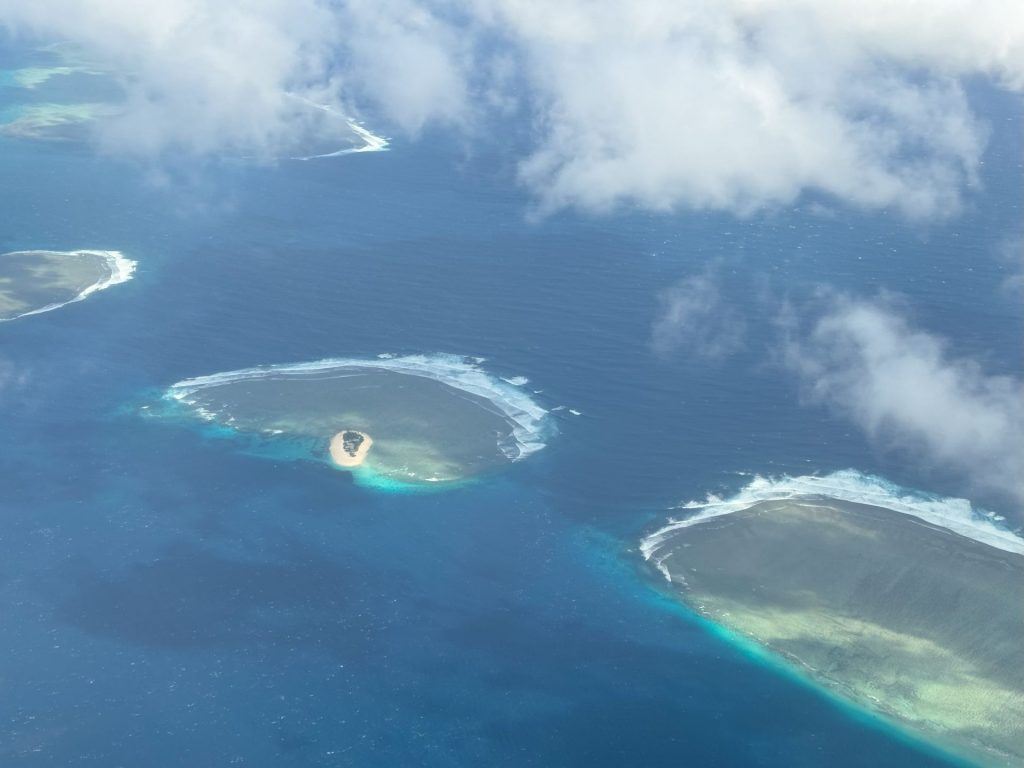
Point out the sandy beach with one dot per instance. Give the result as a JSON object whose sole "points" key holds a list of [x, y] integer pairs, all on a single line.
{"points": [[349, 448]]}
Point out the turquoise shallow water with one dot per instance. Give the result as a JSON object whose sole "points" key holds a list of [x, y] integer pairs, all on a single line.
{"points": [[171, 598]]}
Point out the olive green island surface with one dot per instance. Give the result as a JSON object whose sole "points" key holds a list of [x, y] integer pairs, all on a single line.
{"points": [[905, 617], [394, 422], [32, 282]]}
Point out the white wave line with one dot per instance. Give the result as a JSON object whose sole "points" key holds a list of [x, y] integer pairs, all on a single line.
{"points": [[526, 417], [956, 515], [121, 271], [371, 141]]}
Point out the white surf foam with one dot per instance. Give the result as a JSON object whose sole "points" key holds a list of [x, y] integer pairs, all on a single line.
{"points": [[121, 271], [527, 418], [371, 141], [957, 515]]}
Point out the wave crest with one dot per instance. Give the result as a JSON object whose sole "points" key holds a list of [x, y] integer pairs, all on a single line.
{"points": [[529, 425], [121, 269], [953, 514]]}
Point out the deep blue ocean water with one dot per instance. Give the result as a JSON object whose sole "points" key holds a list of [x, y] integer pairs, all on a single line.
{"points": [[169, 600]]}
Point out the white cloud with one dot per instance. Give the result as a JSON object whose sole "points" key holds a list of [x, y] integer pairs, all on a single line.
{"points": [[201, 76], [955, 37], [905, 390], [407, 62], [741, 105], [694, 318], [733, 104]]}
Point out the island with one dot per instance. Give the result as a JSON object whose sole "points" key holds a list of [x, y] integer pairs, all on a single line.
{"points": [[902, 615], [349, 448], [32, 282], [434, 419]]}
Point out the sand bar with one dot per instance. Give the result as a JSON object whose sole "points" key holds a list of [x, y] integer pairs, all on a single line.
{"points": [[349, 448]]}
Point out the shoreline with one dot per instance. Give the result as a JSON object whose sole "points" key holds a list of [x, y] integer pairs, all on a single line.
{"points": [[881, 650], [955, 515], [122, 269], [371, 141], [528, 420]]}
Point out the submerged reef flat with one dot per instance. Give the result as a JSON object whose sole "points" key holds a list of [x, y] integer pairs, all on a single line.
{"points": [[39, 281], [416, 420], [59, 95], [53, 121], [56, 96], [31, 77], [897, 612]]}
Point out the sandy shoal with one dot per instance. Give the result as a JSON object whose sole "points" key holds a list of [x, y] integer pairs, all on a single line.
{"points": [[343, 458]]}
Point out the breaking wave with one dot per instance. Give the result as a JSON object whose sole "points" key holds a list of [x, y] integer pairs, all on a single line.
{"points": [[121, 269], [526, 417], [956, 515]]}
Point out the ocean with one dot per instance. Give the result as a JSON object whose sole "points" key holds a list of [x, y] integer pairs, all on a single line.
{"points": [[172, 599]]}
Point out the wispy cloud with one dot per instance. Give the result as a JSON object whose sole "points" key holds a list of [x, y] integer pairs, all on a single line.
{"points": [[905, 390], [694, 318], [742, 105], [200, 76], [13, 378], [729, 105], [1011, 254]]}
